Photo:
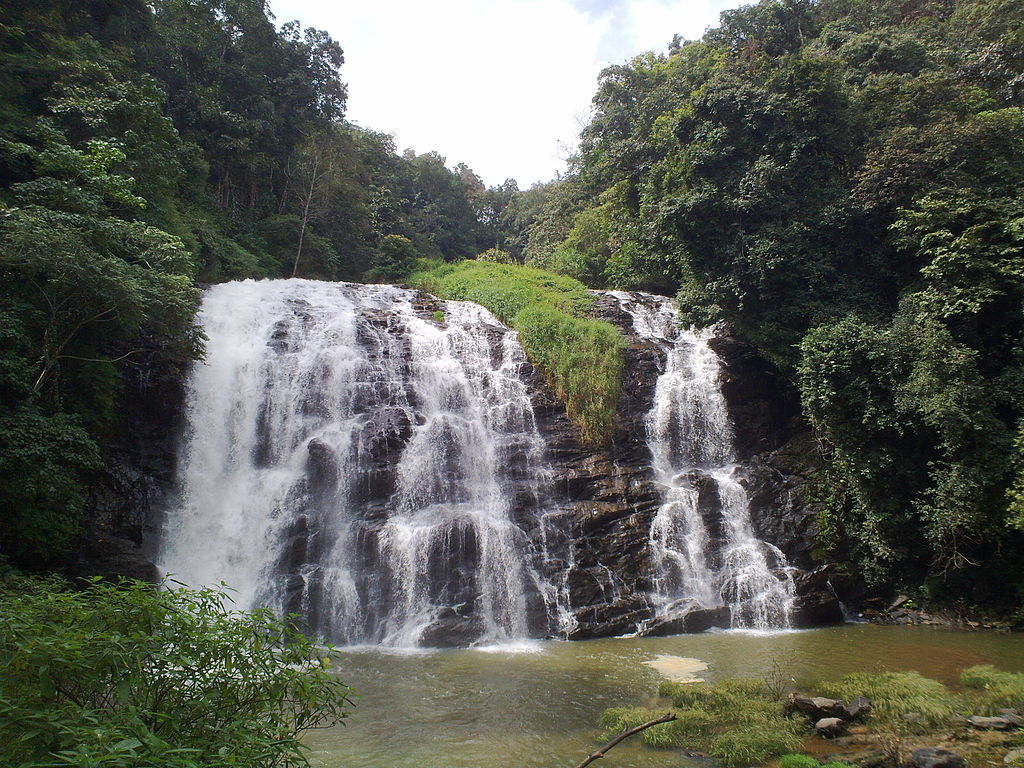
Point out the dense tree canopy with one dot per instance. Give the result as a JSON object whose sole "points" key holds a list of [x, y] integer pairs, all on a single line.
{"points": [[840, 180], [144, 146]]}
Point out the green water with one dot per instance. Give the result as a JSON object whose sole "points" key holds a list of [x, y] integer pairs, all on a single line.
{"points": [[538, 705]]}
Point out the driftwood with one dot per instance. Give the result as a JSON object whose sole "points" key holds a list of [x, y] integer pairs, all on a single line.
{"points": [[623, 736]]}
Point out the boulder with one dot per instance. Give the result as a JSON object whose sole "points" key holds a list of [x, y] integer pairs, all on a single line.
{"points": [[818, 707], [1013, 715], [451, 630], [1014, 757], [933, 757], [830, 727], [817, 609], [697, 620], [991, 723], [858, 708]]}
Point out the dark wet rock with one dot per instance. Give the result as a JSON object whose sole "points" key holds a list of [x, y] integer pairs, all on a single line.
{"points": [[452, 630], [858, 708], [934, 757], [830, 727], [817, 609], [697, 620], [817, 707], [111, 558]]}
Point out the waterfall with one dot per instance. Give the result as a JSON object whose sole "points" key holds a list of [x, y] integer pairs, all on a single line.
{"points": [[360, 459], [703, 549]]}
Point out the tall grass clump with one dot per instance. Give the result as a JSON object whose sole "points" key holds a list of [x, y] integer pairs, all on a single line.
{"points": [[895, 694], [581, 358], [989, 689], [738, 722]]}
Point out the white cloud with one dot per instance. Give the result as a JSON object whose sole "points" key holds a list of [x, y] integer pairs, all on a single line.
{"points": [[498, 84]]}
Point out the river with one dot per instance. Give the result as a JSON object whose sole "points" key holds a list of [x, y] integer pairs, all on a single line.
{"points": [[536, 704]]}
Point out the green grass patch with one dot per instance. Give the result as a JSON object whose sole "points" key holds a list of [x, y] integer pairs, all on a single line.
{"points": [[807, 761], [581, 358], [738, 722], [988, 689], [894, 694]]}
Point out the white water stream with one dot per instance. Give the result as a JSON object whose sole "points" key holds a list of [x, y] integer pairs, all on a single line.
{"points": [[703, 549], [353, 459]]}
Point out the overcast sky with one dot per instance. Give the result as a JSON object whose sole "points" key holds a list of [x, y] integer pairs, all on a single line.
{"points": [[501, 85]]}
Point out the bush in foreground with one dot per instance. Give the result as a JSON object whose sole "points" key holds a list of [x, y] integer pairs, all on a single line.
{"points": [[895, 694], [126, 676], [989, 689], [738, 721]]}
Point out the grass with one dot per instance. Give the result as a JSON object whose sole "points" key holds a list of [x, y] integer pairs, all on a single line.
{"points": [[581, 358], [894, 694], [806, 761], [988, 689], [738, 722]]}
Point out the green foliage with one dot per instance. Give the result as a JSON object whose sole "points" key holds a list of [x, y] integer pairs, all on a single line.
{"points": [[129, 676], [841, 182], [706, 719], [989, 689], [147, 145], [497, 256], [581, 358], [894, 694], [798, 761], [806, 761], [394, 258]]}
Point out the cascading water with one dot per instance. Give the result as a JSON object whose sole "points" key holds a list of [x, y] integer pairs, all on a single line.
{"points": [[703, 548], [353, 458]]}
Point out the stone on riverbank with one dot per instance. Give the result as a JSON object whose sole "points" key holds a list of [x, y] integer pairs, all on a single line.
{"points": [[933, 757]]}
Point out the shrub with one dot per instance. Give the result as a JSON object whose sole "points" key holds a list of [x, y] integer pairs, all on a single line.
{"points": [[894, 694], [990, 689], [806, 761], [798, 761], [127, 676], [753, 743], [581, 358], [737, 721]]}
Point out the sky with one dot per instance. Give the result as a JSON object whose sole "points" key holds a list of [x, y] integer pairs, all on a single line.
{"points": [[501, 85]]}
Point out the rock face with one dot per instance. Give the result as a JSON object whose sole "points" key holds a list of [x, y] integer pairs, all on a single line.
{"points": [[605, 496], [129, 494]]}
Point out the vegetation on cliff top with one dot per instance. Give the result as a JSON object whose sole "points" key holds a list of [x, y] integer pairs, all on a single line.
{"points": [[582, 358]]}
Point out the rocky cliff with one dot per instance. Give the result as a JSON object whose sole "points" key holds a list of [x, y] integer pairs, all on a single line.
{"points": [[605, 495]]}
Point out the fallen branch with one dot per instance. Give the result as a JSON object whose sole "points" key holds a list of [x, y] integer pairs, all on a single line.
{"points": [[623, 736]]}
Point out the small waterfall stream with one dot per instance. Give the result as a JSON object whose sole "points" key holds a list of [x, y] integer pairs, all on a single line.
{"points": [[703, 548], [351, 457]]}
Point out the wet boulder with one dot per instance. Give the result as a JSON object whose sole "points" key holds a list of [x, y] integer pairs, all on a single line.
{"points": [[696, 620], [933, 757], [830, 727]]}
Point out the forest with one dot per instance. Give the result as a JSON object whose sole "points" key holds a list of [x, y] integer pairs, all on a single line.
{"points": [[838, 181]]}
